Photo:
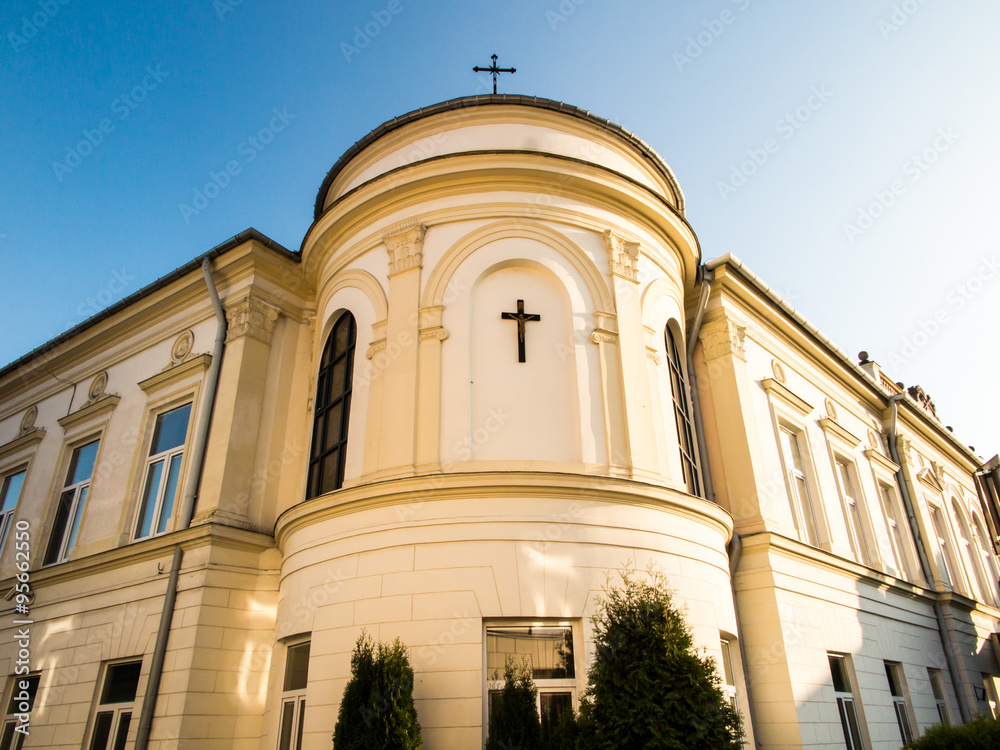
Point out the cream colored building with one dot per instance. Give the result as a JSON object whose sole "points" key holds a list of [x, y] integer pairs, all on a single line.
{"points": [[464, 400]]}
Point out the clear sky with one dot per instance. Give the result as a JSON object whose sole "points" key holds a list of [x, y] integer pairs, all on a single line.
{"points": [[846, 151]]}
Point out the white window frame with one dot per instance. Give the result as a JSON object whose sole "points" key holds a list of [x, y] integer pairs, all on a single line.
{"points": [[986, 556], [7, 516], [900, 700], [167, 458], [900, 537], [848, 706], [117, 710], [80, 490], [944, 558], [294, 697], [852, 501], [729, 673], [799, 483], [937, 690], [569, 685], [990, 694], [979, 587]]}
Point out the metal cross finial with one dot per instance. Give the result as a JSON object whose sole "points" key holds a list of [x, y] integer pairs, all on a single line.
{"points": [[494, 70]]}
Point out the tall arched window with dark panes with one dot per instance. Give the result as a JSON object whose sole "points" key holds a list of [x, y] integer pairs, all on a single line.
{"points": [[333, 408], [682, 415]]}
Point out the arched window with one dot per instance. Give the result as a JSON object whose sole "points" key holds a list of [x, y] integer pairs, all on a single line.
{"points": [[989, 564], [333, 408], [682, 415]]}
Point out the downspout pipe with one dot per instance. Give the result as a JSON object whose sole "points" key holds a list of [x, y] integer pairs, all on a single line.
{"points": [[943, 632], [735, 545], [187, 511]]}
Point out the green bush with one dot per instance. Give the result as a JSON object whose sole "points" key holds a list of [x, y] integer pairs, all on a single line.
{"points": [[647, 688], [377, 711], [514, 721], [981, 734]]}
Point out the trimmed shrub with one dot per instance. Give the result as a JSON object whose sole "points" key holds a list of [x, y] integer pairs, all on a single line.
{"points": [[648, 688], [514, 721], [982, 733], [377, 711]]}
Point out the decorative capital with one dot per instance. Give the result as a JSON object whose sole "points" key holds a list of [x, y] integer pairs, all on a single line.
{"points": [[436, 334], [251, 317], [623, 255], [723, 336], [601, 336], [405, 244], [375, 348]]}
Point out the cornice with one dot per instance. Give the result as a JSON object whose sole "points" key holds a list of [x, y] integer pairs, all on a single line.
{"points": [[24, 442], [428, 488], [781, 392], [877, 458], [90, 412], [833, 427], [174, 375]]}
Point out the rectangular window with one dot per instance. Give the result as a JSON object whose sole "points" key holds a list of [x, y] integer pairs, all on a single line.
{"points": [[894, 674], [114, 711], [802, 510], [549, 652], [942, 551], [729, 676], [22, 700], [898, 534], [853, 512], [69, 511], [293, 696], [990, 694], [937, 687], [844, 693], [163, 469], [10, 491]]}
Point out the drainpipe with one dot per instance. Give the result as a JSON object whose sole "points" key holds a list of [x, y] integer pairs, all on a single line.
{"points": [[943, 632], [735, 546], [187, 510]]}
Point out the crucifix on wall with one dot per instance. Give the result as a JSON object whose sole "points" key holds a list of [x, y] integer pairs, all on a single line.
{"points": [[521, 319]]}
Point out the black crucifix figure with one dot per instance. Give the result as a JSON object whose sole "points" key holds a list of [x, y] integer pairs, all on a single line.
{"points": [[494, 70], [521, 319]]}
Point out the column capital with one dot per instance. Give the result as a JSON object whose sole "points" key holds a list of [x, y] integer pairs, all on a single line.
{"points": [[405, 245], [722, 336], [253, 317], [623, 255]]}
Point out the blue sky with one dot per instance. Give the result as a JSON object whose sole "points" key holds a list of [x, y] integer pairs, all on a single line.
{"points": [[847, 152]]}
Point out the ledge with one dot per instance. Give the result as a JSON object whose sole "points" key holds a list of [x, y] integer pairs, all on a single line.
{"points": [[877, 458], [177, 373], [833, 427], [774, 388], [20, 443], [99, 408]]}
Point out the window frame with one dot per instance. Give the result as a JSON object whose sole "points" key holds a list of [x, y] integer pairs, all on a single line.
{"points": [[848, 704], [7, 517], [900, 701], [295, 697], [569, 685], [804, 510], [324, 402], [10, 739], [986, 557], [117, 709], [898, 525], [165, 457], [936, 681], [81, 492], [948, 571], [855, 511], [681, 401]]}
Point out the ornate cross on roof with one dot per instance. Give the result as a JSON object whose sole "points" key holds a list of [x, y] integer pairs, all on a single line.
{"points": [[521, 319], [494, 70]]}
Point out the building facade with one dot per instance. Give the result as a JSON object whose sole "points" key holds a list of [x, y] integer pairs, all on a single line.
{"points": [[495, 371]]}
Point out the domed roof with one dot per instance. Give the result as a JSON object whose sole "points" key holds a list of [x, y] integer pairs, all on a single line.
{"points": [[652, 162]]}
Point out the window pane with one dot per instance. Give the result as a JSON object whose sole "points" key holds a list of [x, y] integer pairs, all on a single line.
{"points": [[121, 682], [838, 670], [287, 724], [102, 731], [852, 722], [337, 376], [727, 663], [77, 516], [11, 491], [121, 737], [893, 677], [7, 739], [171, 429], [81, 466], [32, 689], [904, 725], [59, 527], [554, 706], [935, 680], [549, 650], [331, 462], [302, 721], [170, 493], [297, 667], [149, 496], [333, 425]]}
